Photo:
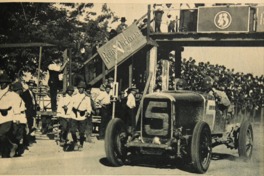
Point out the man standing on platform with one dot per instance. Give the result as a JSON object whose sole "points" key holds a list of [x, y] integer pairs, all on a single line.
{"points": [[158, 13], [122, 26], [55, 68]]}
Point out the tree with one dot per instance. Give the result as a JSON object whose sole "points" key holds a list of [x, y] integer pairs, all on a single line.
{"points": [[66, 25]]}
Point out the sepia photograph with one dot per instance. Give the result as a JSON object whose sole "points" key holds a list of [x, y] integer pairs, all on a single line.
{"points": [[132, 87]]}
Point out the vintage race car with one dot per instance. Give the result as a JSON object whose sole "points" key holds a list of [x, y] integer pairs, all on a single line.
{"points": [[178, 124]]}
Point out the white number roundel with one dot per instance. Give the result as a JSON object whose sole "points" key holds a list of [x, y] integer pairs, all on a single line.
{"points": [[222, 20]]}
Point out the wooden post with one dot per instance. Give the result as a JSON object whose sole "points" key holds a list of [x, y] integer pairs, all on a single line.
{"points": [[103, 71], [70, 67], [151, 67], [141, 101], [39, 66], [148, 23], [261, 115], [177, 28], [165, 74], [65, 71], [130, 75], [178, 57]]}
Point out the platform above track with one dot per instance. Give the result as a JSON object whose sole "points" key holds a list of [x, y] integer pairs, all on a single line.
{"points": [[253, 39]]}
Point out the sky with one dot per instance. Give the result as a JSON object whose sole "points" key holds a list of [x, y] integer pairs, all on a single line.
{"points": [[242, 59]]}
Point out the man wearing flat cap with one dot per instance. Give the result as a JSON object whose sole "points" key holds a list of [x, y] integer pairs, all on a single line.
{"points": [[81, 109], [122, 26]]}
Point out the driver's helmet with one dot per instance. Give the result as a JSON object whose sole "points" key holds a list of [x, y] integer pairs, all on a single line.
{"points": [[181, 84], [207, 83]]}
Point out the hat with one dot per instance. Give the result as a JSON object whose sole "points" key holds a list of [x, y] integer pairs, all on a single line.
{"points": [[172, 53], [123, 19], [81, 85], [17, 86], [31, 82], [102, 87], [87, 44], [181, 83], [132, 89], [5, 79], [89, 86], [70, 88], [145, 20], [108, 86], [207, 82]]}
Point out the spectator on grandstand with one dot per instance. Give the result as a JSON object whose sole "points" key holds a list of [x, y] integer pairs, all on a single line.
{"points": [[158, 13], [122, 26]]}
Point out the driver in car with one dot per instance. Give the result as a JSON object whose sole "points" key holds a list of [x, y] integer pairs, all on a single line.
{"points": [[222, 101]]}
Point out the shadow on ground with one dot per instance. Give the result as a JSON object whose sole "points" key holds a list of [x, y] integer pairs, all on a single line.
{"points": [[153, 162], [222, 156]]}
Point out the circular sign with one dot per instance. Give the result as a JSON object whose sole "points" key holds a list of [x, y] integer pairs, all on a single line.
{"points": [[222, 20]]}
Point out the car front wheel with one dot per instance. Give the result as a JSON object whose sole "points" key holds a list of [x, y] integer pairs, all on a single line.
{"points": [[201, 147], [115, 140]]}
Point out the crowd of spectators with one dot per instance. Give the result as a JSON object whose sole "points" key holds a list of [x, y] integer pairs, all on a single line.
{"points": [[245, 91]]}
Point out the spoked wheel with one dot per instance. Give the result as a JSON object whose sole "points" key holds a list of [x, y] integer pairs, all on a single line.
{"points": [[115, 140], [201, 148], [245, 141]]}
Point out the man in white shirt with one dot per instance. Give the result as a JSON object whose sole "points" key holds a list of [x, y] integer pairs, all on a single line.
{"points": [[19, 117], [6, 117], [64, 113], [131, 105], [81, 109]]}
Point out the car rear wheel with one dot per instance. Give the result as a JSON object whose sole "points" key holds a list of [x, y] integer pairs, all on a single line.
{"points": [[201, 147], [245, 141], [115, 140]]}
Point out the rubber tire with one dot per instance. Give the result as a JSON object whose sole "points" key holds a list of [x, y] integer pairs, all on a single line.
{"points": [[245, 130], [114, 146], [201, 133]]}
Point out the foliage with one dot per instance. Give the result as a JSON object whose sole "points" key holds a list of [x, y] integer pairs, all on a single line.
{"points": [[66, 25]]}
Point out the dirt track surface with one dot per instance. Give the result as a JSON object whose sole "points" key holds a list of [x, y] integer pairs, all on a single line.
{"points": [[47, 158]]}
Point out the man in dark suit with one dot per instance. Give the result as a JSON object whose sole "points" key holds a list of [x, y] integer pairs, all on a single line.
{"points": [[30, 102]]}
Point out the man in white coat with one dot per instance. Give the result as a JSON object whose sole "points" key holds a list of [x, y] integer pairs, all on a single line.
{"points": [[19, 117], [64, 112], [81, 110], [6, 118]]}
